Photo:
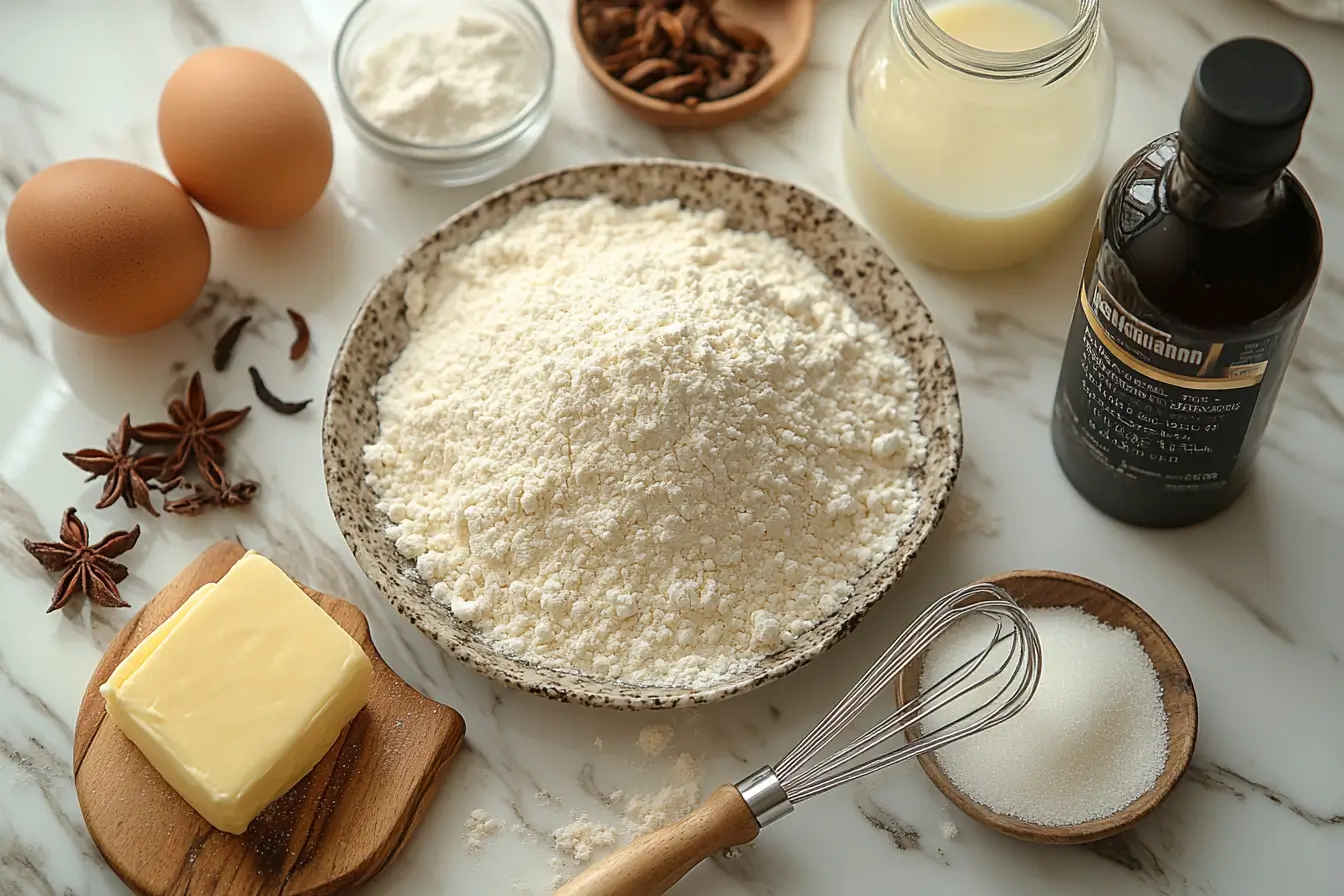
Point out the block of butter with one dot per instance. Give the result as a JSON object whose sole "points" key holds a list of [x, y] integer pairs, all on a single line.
{"points": [[238, 694]]}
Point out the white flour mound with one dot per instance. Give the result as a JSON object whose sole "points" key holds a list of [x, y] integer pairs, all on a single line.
{"points": [[636, 444]]}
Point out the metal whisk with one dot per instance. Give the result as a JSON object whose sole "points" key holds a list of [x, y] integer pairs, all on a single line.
{"points": [[988, 688]]}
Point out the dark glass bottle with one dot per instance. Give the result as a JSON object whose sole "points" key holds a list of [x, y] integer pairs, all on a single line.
{"points": [[1204, 259]]}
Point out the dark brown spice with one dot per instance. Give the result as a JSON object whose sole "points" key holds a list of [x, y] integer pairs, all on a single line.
{"points": [[741, 68], [648, 71], [194, 504], [85, 569], [213, 474], [678, 87], [235, 494], [239, 493], [223, 353], [673, 28], [679, 51], [266, 397], [301, 337], [125, 473], [193, 431], [168, 486]]}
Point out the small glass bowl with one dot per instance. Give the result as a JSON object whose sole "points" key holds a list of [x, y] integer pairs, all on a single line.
{"points": [[374, 21]]}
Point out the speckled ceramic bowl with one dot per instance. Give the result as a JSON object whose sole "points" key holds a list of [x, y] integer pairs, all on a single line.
{"points": [[841, 248]]}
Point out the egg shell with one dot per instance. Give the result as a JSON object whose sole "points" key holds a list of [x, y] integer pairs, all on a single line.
{"points": [[246, 137], [107, 247]]}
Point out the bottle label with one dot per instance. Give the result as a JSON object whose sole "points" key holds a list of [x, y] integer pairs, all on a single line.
{"points": [[1152, 406]]}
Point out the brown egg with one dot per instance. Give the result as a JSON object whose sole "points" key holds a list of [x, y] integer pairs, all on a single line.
{"points": [[107, 247], [245, 136]]}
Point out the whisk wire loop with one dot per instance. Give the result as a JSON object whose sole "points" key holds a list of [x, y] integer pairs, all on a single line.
{"points": [[1011, 677], [937, 697]]}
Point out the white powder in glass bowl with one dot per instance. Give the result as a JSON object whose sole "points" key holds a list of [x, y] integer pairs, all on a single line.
{"points": [[452, 84]]}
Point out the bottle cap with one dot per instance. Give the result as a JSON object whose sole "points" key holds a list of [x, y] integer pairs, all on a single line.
{"points": [[1244, 114]]}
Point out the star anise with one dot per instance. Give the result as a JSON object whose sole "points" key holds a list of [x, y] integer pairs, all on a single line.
{"points": [[193, 504], [86, 569], [239, 494], [124, 472], [194, 431], [218, 492]]}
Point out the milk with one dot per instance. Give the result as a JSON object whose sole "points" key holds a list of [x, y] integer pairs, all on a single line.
{"points": [[966, 172]]}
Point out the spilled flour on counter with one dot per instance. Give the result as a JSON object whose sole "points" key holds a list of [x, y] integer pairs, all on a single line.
{"points": [[654, 739], [646, 813], [636, 444], [578, 841], [479, 826], [582, 836]]}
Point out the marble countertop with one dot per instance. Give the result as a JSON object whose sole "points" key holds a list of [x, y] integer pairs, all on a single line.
{"points": [[1250, 597]]}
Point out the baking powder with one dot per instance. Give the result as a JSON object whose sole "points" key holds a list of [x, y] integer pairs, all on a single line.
{"points": [[460, 82]]}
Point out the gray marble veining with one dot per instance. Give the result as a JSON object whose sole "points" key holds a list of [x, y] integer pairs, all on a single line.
{"points": [[1251, 597]]}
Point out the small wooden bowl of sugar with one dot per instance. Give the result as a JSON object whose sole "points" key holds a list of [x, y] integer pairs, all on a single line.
{"points": [[1104, 740]]}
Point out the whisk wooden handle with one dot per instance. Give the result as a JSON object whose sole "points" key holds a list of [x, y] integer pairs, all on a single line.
{"points": [[653, 863]]}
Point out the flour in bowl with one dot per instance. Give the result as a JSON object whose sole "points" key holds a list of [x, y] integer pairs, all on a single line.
{"points": [[636, 444]]}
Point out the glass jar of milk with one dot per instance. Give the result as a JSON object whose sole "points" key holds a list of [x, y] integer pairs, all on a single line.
{"points": [[974, 126]]}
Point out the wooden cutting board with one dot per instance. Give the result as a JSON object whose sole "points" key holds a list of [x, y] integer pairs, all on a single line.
{"points": [[338, 827]]}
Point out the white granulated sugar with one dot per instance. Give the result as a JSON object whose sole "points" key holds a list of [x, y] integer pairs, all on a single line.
{"points": [[654, 739], [646, 813], [1091, 741], [949, 830], [479, 825], [638, 445], [582, 837], [459, 82]]}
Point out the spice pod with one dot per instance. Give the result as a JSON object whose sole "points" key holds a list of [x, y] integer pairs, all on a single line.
{"points": [[1047, 589], [668, 75]]}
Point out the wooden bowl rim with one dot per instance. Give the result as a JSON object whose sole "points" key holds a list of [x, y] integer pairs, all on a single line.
{"points": [[712, 114], [1180, 743]]}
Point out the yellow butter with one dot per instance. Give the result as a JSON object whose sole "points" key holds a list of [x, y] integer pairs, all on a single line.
{"points": [[239, 693]]}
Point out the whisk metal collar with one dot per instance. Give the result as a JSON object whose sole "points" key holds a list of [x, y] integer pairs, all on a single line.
{"points": [[765, 796]]}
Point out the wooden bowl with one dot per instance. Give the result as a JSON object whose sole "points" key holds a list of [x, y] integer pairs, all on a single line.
{"points": [[1035, 589], [785, 24]]}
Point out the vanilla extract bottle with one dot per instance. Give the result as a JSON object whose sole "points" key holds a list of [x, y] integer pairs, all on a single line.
{"points": [[1205, 256]]}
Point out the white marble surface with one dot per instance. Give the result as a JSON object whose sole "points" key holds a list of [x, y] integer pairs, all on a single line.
{"points": [[1252, 598]]}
